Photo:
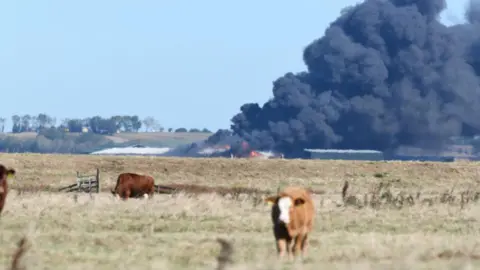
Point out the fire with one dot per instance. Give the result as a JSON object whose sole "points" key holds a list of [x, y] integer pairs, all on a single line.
{"points": [[255, 154]]}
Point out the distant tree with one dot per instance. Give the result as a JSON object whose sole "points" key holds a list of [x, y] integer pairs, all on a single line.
{"points": [[44, 121], [21, 123], [25, 125], [95, 124], [120, 122], [100, 125], [194, 130], [136, 123], [206, 130], [157, 127], [150, 123], [3, 120], [86, 122], [16, 127], [75, 125], [127, 123], [33, 123], [53, 139], [108, 127]]}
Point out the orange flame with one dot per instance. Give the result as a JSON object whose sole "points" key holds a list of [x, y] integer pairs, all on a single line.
{"points": [[254, 154]]}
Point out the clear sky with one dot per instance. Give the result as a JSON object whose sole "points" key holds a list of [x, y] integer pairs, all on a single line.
{"points": [[187, 63]]}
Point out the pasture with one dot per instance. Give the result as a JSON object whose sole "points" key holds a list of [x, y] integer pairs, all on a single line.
{"points": [[396, 215]]}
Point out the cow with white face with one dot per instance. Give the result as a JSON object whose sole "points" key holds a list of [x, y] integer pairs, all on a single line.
{"points": [[285, 205], [292, 216]]}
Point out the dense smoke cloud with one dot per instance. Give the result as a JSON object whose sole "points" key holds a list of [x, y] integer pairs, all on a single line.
{"points": [[385, 73]]}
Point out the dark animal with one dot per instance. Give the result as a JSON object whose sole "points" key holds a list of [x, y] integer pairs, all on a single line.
{"points": [[132, 185], [4, 175], [292, 215]]}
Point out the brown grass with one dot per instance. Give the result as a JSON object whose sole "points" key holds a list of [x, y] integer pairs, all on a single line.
{"points": [[37, 171], [390, 215]]}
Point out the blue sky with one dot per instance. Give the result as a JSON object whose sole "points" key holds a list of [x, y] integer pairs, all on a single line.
{"points": [[187, 63]]}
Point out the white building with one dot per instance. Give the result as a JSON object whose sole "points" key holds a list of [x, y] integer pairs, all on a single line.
{"points": [[345, 154], [135, 150]]}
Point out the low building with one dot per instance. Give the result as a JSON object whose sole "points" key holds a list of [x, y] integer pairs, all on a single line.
{"points": [[421, 158], [345, 154], [135, 150], [448, 153]]}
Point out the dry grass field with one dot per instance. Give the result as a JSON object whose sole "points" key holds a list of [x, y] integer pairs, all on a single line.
{"points": [[395, 215]]}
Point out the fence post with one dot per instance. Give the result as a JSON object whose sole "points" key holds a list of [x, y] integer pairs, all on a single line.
{"points": [[98, 180], [79, 182]]}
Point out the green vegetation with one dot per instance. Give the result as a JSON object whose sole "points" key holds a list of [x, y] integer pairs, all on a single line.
{"points": [[55, 141], [41, 134]]}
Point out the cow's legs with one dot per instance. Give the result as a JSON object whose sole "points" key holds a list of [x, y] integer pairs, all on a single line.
{"points": [[290, 243], [305, 246], [2, 202], [297, 246], [145, 195], [150, 194], [281, 247], [126, 194]]}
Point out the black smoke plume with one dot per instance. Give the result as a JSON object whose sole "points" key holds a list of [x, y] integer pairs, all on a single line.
{"points": [[386, 73]]}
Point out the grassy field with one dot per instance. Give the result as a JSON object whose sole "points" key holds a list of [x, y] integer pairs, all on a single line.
{"points": [[170, 139], [424, 217]]}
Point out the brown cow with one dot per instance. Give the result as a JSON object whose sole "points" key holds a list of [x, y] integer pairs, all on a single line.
{"points": [[132, 185], [4, 175], [293, 215]]}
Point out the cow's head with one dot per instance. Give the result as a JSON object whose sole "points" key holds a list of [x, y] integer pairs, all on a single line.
{"points": [[283, 206]]}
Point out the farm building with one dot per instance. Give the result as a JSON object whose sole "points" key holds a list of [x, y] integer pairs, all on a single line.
{"points": [[345, 154], [422, 158], [135, 150], [446, 154], [403, 153]]}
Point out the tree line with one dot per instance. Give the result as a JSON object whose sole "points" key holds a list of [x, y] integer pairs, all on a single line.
{"points": [[95, 124], [76, 135]]}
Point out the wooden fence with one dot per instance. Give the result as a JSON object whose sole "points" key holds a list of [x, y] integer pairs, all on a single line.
{"points": [[85, 183]]}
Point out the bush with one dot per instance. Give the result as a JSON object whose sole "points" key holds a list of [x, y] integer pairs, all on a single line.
{"points": [[56, 141], [52, 133]]}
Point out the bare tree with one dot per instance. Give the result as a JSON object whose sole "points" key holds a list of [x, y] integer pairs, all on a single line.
{"points": [[3, 120], [157, 127], [151, 124]]}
